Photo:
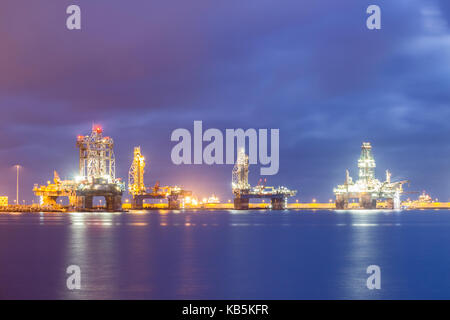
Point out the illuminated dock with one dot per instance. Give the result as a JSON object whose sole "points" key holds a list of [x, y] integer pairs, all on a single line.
{"points": [[407, 205], [297, 206]]}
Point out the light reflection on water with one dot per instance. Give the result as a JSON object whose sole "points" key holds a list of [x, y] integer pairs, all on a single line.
{"points": [[225, 254]]}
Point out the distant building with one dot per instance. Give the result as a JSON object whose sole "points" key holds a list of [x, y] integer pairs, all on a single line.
{"points": [[3, 201]]}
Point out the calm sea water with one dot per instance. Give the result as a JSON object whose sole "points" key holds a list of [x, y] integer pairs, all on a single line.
{"points": [[226, 254]]}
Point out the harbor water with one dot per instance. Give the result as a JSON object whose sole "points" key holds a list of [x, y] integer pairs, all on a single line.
{"points": [[259, 254]]}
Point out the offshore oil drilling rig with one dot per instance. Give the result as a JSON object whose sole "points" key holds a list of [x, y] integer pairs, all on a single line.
{"points": [[367, 189], [139, 192], [50, 193], [243, 192], [96, 176]]}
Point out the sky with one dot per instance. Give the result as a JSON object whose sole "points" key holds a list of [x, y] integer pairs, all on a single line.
{"points": [[311, 69]]}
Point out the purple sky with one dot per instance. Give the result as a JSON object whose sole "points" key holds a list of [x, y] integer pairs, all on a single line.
{"points": [[310, 68]]}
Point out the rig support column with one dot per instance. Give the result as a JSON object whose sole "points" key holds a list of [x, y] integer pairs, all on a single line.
{"points": [[79, 203], [241, 203], [278, 203], [113, 203], [137, 202], [88, 202], [173, 202], [390, 204], [341, 202], [366, 202]]}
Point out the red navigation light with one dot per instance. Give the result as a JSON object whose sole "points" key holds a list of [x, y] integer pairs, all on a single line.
{"points": [[98, 129]]}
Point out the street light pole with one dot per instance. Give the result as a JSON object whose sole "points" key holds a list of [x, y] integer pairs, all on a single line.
{"points": [[17, 185]]}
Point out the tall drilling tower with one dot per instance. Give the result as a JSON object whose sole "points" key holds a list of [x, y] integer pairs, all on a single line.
{"points": [[366, 163], [240, 173], [136, 173], [96, 156]]}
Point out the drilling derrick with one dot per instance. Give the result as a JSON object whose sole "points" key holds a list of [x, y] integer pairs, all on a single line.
{"points": [[240, 173], [136, 173], [367, 189], [366, 163], [243, 192], [96, 156]]}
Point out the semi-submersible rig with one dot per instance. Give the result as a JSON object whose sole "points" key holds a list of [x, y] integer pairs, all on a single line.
{"points": [[96, 178], [367, 189], [243, 192], [139, 191]]}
